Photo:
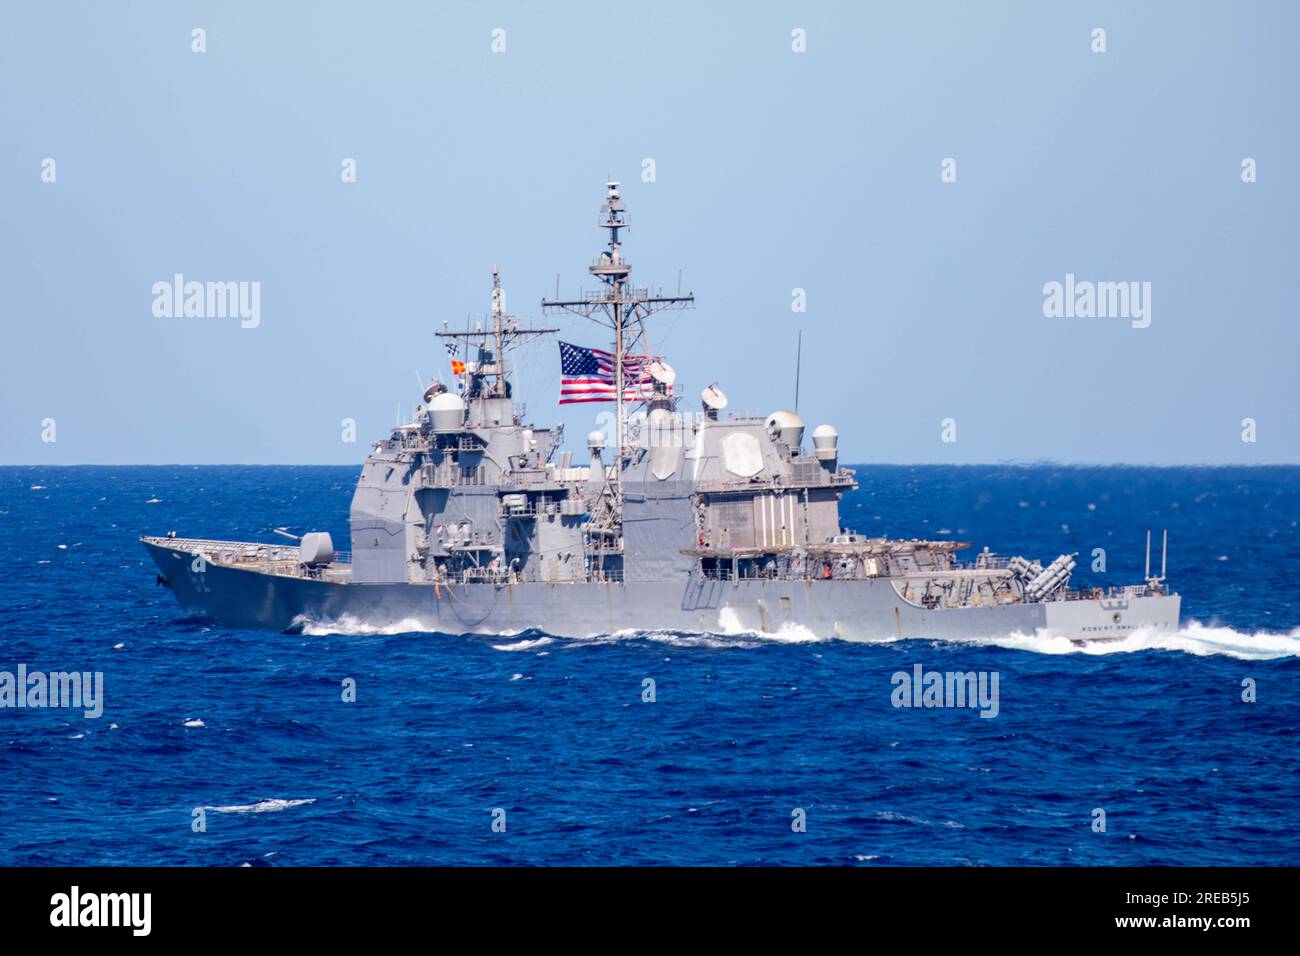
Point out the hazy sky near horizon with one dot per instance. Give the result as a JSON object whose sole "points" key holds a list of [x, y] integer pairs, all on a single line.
{"points": [[774, 171]]}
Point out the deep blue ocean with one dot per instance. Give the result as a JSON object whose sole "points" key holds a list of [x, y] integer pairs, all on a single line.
{"points": [[446, 728]]}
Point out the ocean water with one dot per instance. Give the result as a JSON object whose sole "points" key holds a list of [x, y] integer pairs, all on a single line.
{"points": [[744, 733]]}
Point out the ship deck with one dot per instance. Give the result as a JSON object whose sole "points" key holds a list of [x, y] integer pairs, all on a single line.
{"points": [[280, 560]]}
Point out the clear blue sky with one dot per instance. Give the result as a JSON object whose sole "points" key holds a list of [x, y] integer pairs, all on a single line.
{"points": [[775, 170]]}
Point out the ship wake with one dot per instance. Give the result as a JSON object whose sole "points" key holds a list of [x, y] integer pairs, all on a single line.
{"points": [[349, 625], [1197, 639]]}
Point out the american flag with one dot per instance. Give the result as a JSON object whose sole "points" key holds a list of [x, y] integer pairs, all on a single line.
{"points": [[587, 375]]}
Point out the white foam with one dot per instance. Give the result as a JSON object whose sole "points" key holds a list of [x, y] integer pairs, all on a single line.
{"points": [[788, 632], [710, 639], [791, 633], [729, 621], [688, 639], [1197, 639], [194, 722], [524, 645], [262, 806], [351, 626]]}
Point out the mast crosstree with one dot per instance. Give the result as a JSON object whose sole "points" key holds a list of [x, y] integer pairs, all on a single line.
{"points": [[619, 306], [505, 333]]}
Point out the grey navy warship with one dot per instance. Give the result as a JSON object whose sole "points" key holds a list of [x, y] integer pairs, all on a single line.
{"points": [[468, 519]]}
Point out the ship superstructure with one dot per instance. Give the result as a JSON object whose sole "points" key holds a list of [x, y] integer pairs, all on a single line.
{"points": [[469, 519]]}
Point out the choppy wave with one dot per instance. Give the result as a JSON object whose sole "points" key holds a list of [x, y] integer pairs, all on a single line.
{"points": [[525, 645], [711, 640], [262, 806]]}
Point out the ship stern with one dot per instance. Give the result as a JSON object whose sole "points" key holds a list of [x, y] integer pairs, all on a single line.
{"points": [[1114, 616]]}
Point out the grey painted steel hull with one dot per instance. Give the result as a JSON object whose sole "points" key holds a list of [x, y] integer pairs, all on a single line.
{"points": [[697, 524], [855, 610]]}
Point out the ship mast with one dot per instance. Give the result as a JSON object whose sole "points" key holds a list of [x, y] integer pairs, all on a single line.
{"points": [[620, 307], [506, 333]]}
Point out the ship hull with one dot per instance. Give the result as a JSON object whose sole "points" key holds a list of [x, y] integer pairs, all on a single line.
{"points": [[855, 610]]}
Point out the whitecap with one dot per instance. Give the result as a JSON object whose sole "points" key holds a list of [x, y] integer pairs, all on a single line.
{"points": [[524, 645], [691, 639], [262, 806]]}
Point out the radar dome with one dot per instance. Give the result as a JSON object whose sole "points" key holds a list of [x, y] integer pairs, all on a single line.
{"points": [[825, 439], [787, 428], [446, 412]]}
